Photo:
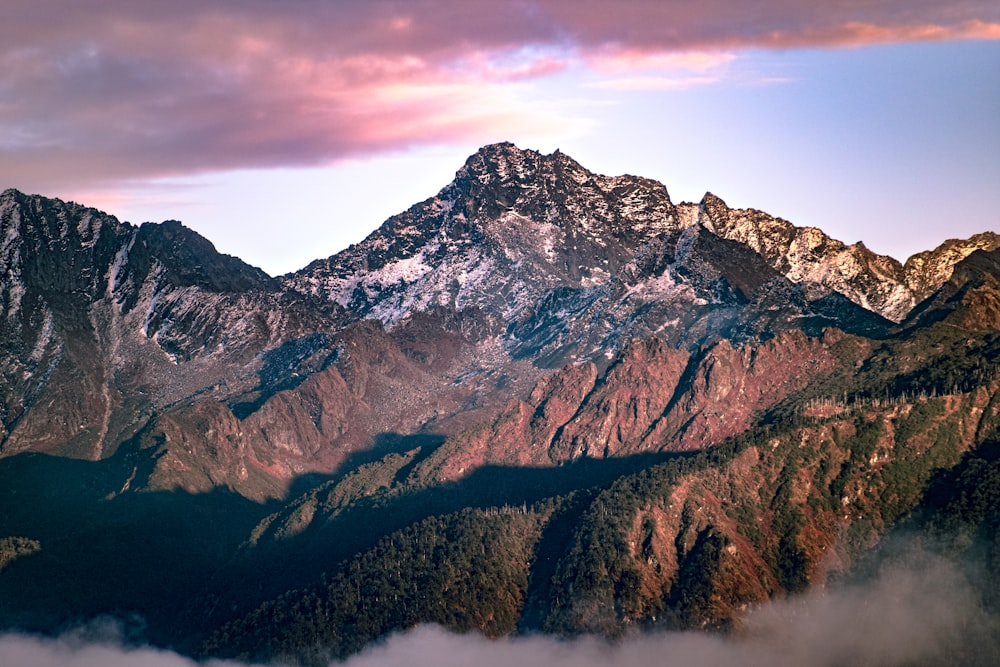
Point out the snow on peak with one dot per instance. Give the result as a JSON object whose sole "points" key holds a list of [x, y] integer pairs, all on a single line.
{"points": [[541, 221]]}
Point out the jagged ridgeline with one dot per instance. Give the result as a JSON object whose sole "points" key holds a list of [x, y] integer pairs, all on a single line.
{"points": [[544, 400]]}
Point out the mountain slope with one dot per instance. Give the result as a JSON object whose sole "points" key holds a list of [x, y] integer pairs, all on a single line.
{"points": [[105, 324], [792, 498], [525, 263], [543, 400]]}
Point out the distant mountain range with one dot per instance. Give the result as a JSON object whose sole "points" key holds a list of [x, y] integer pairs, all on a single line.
{"points": [[542, 400]]}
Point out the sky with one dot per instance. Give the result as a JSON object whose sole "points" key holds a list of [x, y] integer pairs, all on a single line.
{"points": [[284, 131]]}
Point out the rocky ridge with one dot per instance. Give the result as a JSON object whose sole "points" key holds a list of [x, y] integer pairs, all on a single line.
{"points": [[653, 414], [805, 254], [515, 224]]}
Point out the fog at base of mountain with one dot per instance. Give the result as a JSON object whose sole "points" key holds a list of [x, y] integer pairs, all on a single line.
{"points": [[922, 609]]}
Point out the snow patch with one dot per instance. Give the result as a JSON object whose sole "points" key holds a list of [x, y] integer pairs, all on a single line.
{"points": [[118, 265], [407, 269], [598, 276], [15, 288], [44, 338]]}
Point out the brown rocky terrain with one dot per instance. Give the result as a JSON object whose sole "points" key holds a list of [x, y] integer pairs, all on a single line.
{"points": [[542, 400]]}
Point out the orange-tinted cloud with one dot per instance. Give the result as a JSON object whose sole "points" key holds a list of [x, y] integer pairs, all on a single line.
{"points": [[136, 89]]}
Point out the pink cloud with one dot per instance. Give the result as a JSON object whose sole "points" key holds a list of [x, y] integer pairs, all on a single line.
{"points": [[139, 89], [630, 60], [856, 33]]}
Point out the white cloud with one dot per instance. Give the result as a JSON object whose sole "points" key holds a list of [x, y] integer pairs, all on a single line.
{"points": [[924, 613]]}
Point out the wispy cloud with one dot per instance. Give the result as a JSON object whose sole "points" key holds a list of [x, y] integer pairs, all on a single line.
{"points": [[634, 70], [617, 61], [656, 82], [143, 89], [860, 33]]}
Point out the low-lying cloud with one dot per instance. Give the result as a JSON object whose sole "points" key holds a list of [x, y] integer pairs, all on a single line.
{"points": [[924, 613], [142, 89]]}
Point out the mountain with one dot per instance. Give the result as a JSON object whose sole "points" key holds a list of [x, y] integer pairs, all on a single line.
{"points": [[541, 400], [572, 264], [805, 254]]}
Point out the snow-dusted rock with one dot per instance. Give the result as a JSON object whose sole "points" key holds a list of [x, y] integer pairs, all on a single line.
{"points": [[805, 254]]}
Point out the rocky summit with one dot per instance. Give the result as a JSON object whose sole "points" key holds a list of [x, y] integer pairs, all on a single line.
{"points": [[542, 400]]}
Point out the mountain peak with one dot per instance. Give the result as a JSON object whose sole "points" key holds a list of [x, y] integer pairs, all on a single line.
{"points": [[191, 259], [506, 150], [516, 221], [928, 270], [969, 299], [507, 164], [512, 224], [502, 163]]}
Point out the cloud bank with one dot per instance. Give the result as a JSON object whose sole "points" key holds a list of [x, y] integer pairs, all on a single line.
{"points": [[141, 89], [924, 613]]}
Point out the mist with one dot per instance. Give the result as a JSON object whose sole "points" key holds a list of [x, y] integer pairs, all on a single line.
{"points": [[923, 612]]}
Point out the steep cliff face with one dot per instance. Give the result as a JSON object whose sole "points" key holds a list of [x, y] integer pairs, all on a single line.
{"points": [[653, 398], [53, 255], [344, 396], [969, 299]]}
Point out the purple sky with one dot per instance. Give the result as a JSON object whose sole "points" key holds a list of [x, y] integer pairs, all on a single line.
{"points": [[285, 130]]}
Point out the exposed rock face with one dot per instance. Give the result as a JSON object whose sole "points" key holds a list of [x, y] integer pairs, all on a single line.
{"points": [[512, 225], [654, 398], [805, 254], [619, 415], [970, 299]]}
